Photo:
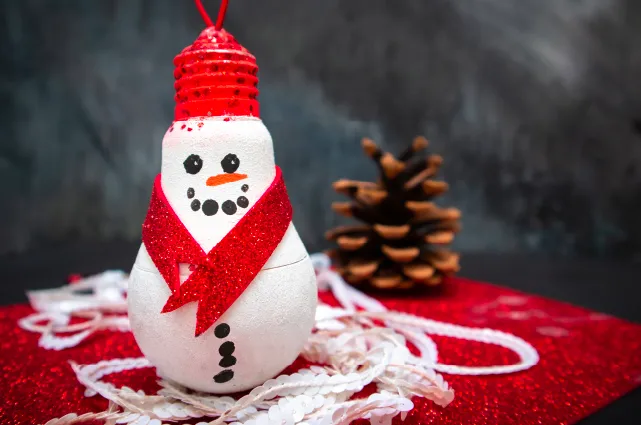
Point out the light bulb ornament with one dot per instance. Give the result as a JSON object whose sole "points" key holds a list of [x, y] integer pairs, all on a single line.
{"points": [[222, 294]]}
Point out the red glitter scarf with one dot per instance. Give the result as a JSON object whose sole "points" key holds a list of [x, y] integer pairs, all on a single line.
{"points": [[224, 273]]}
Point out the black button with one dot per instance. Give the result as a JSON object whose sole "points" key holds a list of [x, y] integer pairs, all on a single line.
{"points": [[226, 348], [227, 361], [224, 376], [222, 330]]}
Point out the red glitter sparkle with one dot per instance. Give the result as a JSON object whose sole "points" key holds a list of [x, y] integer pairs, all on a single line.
{"points": [[597, 361], [215, 76], [224, 273], [73, 278]]}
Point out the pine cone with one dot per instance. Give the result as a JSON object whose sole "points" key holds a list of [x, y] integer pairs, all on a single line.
{"points": [[400, 243]]}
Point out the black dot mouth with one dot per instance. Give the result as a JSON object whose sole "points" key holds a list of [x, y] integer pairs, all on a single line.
{"points": [[229, 207], [210, 207], [242, 202]]}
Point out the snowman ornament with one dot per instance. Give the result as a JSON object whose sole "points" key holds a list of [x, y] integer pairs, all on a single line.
{"points": [[222, 295]]}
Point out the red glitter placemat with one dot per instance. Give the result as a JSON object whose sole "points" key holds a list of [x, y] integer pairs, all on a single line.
{"points": [[587, 360]]}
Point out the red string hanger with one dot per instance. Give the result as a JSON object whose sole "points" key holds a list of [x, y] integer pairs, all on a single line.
{"points": [[215, 76], [221, 14]]}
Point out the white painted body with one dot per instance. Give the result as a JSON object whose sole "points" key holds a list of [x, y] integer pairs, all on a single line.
{"points": [[271, 321]]}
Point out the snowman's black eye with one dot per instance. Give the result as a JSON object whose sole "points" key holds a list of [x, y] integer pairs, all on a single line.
{"points": [[230, 163], [193, 164]]}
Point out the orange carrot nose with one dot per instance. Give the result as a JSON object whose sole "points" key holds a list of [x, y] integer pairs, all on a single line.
{"points": [[225, 178]]}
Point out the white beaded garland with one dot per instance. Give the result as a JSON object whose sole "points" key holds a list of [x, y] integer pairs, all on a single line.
{"points": [[353, 350]]}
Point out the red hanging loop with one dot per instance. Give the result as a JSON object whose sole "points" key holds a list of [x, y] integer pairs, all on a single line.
{"points": [[221, 14]]}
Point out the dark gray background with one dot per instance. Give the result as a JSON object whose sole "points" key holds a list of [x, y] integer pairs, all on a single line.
{"points": [[535, 105]]}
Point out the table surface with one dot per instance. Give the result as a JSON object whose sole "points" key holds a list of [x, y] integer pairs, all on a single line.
{"points": [[608, 287]]}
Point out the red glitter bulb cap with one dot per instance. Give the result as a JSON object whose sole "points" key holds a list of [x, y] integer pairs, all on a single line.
{"points": [[215, 76]]}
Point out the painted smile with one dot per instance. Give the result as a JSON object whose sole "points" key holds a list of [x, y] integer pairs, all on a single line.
{"points": [[210, 207]]}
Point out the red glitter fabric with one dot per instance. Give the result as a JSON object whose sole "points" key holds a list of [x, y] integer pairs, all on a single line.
{"points": [[224, 273], [215, 76], [587, 360]]}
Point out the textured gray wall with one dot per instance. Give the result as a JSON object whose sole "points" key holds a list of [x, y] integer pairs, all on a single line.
{"points": [[535, 105]]}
